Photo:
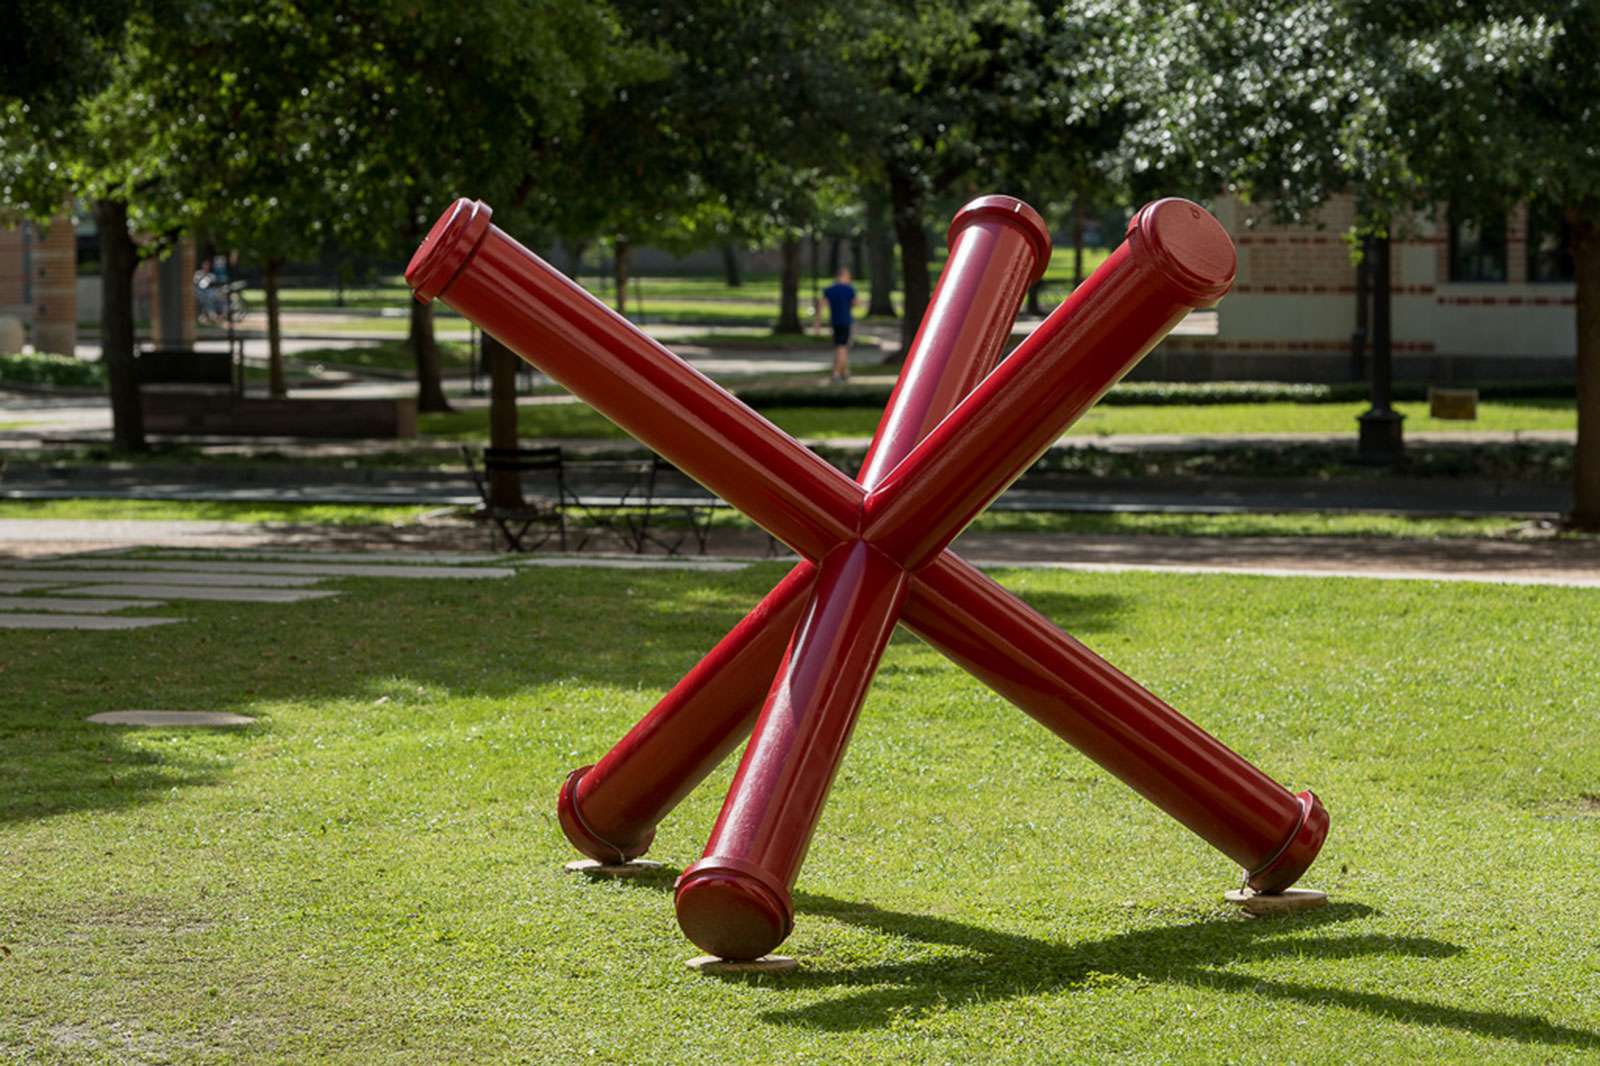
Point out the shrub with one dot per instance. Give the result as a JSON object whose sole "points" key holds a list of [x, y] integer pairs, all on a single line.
{"points": [[46, 369]]}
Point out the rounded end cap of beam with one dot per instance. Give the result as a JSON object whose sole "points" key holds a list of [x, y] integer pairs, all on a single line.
{"points": [[1010, 210], [585, 839], [733, 911], [1296, 857], [1188, 246], [447, 247]]}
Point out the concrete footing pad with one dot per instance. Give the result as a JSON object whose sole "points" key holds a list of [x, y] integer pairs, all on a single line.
{"points": [[594, 868], [1289, 901], [772, 964]]}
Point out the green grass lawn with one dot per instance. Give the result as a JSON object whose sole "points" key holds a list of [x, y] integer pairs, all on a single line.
{"points": [[1226, 418], [387, 355], [578, 421], [1292, 524], [665, 298], [373, 872]]}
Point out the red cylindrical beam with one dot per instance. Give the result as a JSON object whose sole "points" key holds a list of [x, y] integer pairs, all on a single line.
{"points": [[1086, 701], [610, 810], [735, 902], [604, 360], [1176, 258], [998, 247]]}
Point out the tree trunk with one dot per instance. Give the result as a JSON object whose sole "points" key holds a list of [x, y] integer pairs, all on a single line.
{"points": [[905, 197], [835, 254], [430, 373], [880, 258], [1077, 244], [858, 258], [1033, 300], [620, 256], [118, 260], [789, 297], [730, 266], [1586, 467], [505, 487], [277, 383], [575, 259]]}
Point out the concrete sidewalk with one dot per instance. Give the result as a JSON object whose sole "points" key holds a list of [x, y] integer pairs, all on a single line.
{"points": [[268, 482], [1562, 562]]}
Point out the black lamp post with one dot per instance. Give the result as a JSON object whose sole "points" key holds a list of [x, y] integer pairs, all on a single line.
{"points": [[1382, 438]]}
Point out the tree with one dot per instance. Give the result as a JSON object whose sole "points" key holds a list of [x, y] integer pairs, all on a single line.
{"points": [[1499, 102], [952, 90], [1406, 106], [76, 123]]}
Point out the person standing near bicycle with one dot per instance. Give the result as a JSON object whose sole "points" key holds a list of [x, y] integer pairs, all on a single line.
{"points": [[841, 300]]}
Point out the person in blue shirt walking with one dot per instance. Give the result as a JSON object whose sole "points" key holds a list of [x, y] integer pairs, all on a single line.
{"points": [[841, 300]]}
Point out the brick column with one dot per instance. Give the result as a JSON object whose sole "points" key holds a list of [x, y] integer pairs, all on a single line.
{"points": [[13, 272], [55, 287], [172, 302]]}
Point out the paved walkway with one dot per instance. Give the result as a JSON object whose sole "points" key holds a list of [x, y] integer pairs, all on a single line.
{"points": [[97, 592], [267, 482], [435, 551]]}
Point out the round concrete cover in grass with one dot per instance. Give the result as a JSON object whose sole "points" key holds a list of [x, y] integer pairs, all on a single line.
{"points": [[170, 719]]}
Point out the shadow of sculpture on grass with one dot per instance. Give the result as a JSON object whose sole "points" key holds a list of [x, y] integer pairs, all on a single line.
{"points": [[999, 966]]}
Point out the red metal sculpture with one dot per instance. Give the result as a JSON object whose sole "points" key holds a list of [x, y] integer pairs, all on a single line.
{"points": [[960, 427]]}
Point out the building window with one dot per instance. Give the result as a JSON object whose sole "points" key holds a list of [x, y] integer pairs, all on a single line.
{"points": [[1477, 247], [1549, 245]]}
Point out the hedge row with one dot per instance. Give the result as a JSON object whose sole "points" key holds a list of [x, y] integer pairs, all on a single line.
{"points": [[1173, 393], [45, 369]]}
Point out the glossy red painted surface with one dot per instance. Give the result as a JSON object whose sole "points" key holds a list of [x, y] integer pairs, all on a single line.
{"points": [[725, 901], [604, 360], [1103, 713], [945, 448], [1083, 348], [998, 247], [611, 809]]}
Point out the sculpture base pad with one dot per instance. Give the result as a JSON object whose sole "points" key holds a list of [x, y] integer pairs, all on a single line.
{"points": [[1289, 901], [711, 964], [595, 868]]}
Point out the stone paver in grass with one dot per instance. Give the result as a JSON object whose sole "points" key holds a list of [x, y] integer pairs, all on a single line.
{"points": [[62, 604], [78, 621], [199, 592], [9, 587], [634, 562], [166, 577], [286, 573], [386, 558], [173, 719]]}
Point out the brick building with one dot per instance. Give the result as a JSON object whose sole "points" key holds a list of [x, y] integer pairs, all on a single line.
{"points": [[1473, 300]]}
